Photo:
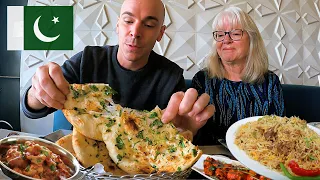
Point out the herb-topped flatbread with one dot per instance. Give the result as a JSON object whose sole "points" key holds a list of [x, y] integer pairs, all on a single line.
{"points": [[141, 144], [89, 97], [138, 142], [89, 152]]}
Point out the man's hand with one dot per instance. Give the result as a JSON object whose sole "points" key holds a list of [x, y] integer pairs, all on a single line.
{"points": [[187, 111], [49, 88]]}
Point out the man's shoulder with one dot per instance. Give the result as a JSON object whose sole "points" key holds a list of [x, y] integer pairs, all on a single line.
{"points": [[162, 61]]}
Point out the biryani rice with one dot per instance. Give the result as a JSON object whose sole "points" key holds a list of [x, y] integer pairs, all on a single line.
{"points": [[272, 140]]}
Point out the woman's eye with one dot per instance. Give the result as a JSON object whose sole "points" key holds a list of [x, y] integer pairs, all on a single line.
{"points": [[150, 26]]}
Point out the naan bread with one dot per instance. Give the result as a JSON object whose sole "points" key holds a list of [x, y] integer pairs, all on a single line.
{"points": [[89, 152], [89, 97], [141, 144], [66, 143]]}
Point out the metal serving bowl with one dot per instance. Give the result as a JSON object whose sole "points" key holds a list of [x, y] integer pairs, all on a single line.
{"points": [[66, 157]]}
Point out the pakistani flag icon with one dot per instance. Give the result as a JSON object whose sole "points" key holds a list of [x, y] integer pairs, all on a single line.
{"points": [[48, 27]]}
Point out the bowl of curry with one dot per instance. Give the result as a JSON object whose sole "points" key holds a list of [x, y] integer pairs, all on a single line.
{"points": [[26, 157]]}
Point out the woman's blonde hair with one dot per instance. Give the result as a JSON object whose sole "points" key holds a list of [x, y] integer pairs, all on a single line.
{"points": [[257, 59]]}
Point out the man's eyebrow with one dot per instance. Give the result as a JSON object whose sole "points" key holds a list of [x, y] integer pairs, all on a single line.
{"points": [[145, 19], [128, 13]]}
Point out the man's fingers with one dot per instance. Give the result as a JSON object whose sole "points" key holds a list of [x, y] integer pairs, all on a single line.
{"points": [[56, 75], [206, 113], [47, 85], [173, 107], [190, 97], [200, 104], [45, 99]]}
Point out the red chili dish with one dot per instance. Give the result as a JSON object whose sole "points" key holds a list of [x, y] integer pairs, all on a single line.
{"points": [[36, 161]]}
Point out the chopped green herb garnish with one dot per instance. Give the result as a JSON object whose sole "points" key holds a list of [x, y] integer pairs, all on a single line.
{"points": [[172, 149], [27, 168], [45, 152], [157, 153], [79, 110], [103, 104], [156, 122], [148, 140], [94, 88], [181, 143], [110, 123], [52, 167], [153, 115], [110, 91], [119, 142], [119, 157], [75, 93], [194, 152], [140, 134], [179, 169]]}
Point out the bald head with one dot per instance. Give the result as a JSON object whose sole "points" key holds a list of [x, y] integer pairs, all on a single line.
{"points": [[154, 8]]}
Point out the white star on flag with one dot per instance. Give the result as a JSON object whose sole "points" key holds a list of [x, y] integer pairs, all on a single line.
{"points": [[55, 19]]}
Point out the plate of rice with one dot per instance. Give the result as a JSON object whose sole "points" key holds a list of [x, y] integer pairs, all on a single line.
{"points": [[263, 142]]}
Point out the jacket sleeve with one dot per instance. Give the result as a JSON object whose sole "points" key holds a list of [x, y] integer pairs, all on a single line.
{"points": [[71, 71]]}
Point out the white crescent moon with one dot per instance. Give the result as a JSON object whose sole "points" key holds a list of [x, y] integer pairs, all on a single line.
{"points": [[39, 35]]}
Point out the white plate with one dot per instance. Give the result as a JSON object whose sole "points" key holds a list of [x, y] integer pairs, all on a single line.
{"points": [[244, 158], [198, 166]]}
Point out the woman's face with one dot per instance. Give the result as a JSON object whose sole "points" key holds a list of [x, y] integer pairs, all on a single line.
{"points": [[231, 51]]}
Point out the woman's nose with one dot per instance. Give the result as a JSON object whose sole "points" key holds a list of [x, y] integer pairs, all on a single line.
{"points": [[227, 38], [135, 31]]}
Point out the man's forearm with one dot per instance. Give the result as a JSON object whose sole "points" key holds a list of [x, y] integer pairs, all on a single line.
{"points": [[32, 101]]}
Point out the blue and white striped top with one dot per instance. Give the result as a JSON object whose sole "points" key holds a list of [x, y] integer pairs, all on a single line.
{"points": [[234, 101]]}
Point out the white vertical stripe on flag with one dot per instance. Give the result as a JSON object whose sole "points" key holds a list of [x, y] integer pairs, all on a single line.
{"points": [[15, 28]]}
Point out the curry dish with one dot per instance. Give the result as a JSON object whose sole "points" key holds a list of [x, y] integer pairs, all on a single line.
{"points": [[35, 161]]}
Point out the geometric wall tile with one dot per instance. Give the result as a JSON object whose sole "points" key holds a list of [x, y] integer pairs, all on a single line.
{"points": [[311, 72], [208, 4], [64, 2], [281, 52], [201, 62], [102, 19], [317, 5], [163, 45], [167, 19], [292, 15], [295, 70], [279, 29], [100, 39], [308, 19], [186, 4], [263, 10], [184, 62], [245, 6], [278, 3], [32, 61], [87, 3]]}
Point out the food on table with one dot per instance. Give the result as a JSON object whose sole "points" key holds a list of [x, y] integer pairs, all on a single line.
{"points": [[137, 141], [90, 152], [66, 143], [272, 140], [36, 161], [225, 171]]}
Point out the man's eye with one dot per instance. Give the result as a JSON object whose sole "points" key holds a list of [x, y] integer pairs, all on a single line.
{"points": [[128, 22], [149, 26]]}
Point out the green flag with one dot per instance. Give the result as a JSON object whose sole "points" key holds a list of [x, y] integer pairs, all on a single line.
{"points": [[48, 27]]}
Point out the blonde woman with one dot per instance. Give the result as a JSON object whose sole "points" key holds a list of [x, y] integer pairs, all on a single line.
{"points": [[237, 77]]}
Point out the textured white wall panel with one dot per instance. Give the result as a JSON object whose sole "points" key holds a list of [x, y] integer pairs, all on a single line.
{"points": [[290, 29]]}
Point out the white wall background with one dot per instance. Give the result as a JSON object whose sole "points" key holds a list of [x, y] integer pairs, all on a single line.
{"points": [[290, 29]]}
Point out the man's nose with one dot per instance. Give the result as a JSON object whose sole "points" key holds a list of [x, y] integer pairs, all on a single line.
{"points": [[136, 30]]}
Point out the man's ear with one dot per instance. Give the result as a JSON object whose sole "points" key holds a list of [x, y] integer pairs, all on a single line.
{"points": [[163, 28]]}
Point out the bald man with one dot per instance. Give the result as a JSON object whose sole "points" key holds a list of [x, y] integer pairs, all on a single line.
{"points": [[142, 78]]}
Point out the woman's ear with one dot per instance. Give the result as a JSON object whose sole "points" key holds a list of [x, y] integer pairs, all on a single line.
{"points": [[163, 28]]}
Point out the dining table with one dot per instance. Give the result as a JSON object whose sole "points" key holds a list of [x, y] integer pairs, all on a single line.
{"points": [[54, 136]]}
